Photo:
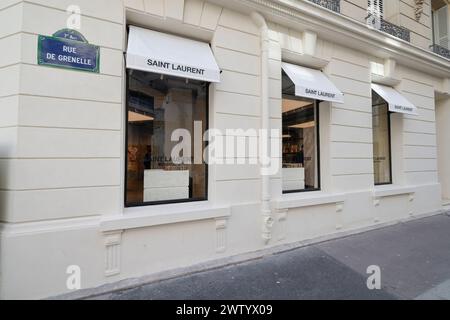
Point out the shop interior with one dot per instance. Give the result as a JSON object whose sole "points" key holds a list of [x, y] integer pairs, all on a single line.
{"points": [[300, 141], [157, 105]]}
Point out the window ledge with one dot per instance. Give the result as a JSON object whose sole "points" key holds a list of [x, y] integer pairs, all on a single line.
{"points": [[143, 217], [304, 59], [387, 81], [389, 191], [289, 201]]}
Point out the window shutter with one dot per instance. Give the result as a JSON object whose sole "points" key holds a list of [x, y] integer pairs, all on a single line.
{"points": [[380, 7], [441, 36], [376, 8], [374, 13]]}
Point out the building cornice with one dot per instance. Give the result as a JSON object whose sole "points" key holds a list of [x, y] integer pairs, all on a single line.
{"points": [[304, 15]]}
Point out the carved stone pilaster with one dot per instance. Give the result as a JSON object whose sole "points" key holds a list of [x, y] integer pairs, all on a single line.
{"points": [[418, 10], [221, 235], [112, 253]]}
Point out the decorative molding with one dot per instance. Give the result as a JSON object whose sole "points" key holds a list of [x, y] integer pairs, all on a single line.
{"points": [[306, 15], [418, 10], [55, 225], [113, 242], [221, 235]]}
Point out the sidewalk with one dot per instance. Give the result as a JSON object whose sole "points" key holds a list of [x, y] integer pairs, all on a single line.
{"points": [[414, 258]]}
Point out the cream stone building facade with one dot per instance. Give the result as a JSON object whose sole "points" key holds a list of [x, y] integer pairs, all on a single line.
{"points": [[63, 134]]}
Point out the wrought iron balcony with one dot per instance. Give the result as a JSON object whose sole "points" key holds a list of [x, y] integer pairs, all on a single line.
{"points": [[441, 51], [396, 31], [334, 5]]}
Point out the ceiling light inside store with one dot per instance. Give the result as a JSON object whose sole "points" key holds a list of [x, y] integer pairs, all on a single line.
{"points": [[304, 125], [138, 117], [289, 105]]}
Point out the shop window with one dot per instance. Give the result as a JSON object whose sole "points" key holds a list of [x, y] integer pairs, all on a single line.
{"points": [[300, 141], [156, 106], [381, 125]]}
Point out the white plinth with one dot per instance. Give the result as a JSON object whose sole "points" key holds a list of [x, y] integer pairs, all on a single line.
{"points": [[162, 185]]}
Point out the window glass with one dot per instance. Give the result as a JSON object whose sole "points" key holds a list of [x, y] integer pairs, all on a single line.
{"points": [[440, 16], [300, 141], [158, 105], [381, 140]]}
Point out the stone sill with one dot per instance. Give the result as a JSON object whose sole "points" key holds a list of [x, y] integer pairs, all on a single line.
{"points": [[144, 217], [392, 190], [299, 200]]}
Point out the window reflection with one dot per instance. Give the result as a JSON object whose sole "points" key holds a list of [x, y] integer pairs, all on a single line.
{"points": [[158, 105], [300, 141], [381, 140]]}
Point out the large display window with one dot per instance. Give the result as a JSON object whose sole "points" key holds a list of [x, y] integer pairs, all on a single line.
{"points": [[157, 105], [300, 118]]}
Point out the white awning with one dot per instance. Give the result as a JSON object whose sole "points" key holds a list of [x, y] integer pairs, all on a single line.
{"points": [[171, 55], [313, 84], [397, 102]]}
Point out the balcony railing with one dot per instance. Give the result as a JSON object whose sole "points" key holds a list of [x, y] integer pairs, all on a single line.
{"points": [[441, 51], [396, 31], [334, 5]]}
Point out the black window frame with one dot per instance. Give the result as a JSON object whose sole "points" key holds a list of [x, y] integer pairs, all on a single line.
{"points": [[319, 179], [389, 114], [165, 202]]}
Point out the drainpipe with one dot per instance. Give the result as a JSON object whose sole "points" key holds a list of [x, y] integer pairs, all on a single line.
{"points": [[267, 220]]}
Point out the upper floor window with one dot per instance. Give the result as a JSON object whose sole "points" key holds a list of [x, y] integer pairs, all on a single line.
{"points": [[441, 12]]}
